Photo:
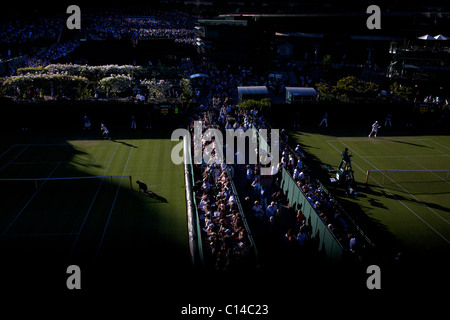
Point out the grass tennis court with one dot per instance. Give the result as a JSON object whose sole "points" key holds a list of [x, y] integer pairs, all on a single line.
{"points": [[98, 221], [407, 211]]}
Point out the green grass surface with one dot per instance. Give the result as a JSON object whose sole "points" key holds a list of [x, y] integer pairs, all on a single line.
{"points": [[96, 221], [409, 211]]}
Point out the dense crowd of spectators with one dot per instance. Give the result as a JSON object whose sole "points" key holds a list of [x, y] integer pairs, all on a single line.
{"points": [[261, 197], [226, 241], [324, 205], [159, 25], [19, 38], [15, 35]]}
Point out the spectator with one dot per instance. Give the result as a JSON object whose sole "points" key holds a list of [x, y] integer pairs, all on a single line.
{"points": [[87, 123], [324, 120], [302, 237], [258, 210], [256, 185], [271, 209]]}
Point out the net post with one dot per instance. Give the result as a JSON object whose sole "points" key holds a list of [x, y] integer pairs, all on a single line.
{"points": [[131, 183], [367, 176]]}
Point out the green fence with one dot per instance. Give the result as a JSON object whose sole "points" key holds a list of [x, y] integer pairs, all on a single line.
{"points": [[194, 231], [327, 244]]}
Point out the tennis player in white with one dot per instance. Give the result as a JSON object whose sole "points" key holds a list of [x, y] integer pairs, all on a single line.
{"points": [[375, 128]]}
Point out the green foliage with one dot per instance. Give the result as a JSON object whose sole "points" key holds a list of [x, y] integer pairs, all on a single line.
{"points": [[326, 64], [60, 83], [32, 70], [349, 89], [158, 90], [186, 91], [401, 91], [261, 105], [325, 91], [116, 84]]}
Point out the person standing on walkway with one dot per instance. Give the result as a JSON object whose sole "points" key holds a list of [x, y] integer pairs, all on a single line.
{"points": [[388, 120], [324, 120]]}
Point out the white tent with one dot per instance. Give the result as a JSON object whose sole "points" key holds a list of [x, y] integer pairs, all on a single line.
{"points": [[441, 37], [198, 75], [300, 94], [426, 37]]}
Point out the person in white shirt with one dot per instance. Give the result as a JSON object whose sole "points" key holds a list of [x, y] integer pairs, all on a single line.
{"points": [[375, 128], [296, 175], [301, 175], [297, 150], [299, 164], [249, 176]]}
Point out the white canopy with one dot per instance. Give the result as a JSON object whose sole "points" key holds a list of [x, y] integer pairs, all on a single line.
{"points": [[301, 91], [258, 90], [198, 75], [440, 37], [426, 37]]}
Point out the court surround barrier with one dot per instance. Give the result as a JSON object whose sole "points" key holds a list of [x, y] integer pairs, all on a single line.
{"points": [[193, 224], [327, 243]]}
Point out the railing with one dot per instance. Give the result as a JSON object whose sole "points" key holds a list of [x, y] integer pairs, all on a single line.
{"points": [[194, 231], [327, 242], [244, 220]]}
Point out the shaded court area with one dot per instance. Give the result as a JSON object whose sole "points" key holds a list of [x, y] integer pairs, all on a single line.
{"points": [[97, 220]]}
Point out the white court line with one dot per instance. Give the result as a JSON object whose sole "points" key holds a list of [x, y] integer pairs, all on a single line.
{"points": [[431, 171], [426, 223], [112, 207], [365, 139], [437, 143], [23, 150], [92, 204], [403, 156], [29, 201], [1, 155], [38, 162], [62, 144], [443, 153], [55, 162], [14, 235], [402, 188]]}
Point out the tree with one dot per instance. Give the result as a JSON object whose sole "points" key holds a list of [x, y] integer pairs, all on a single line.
{"points": [[186, 92], [401, 92], [261, 105], [116, 84], [348, 89], [326, 64]]}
